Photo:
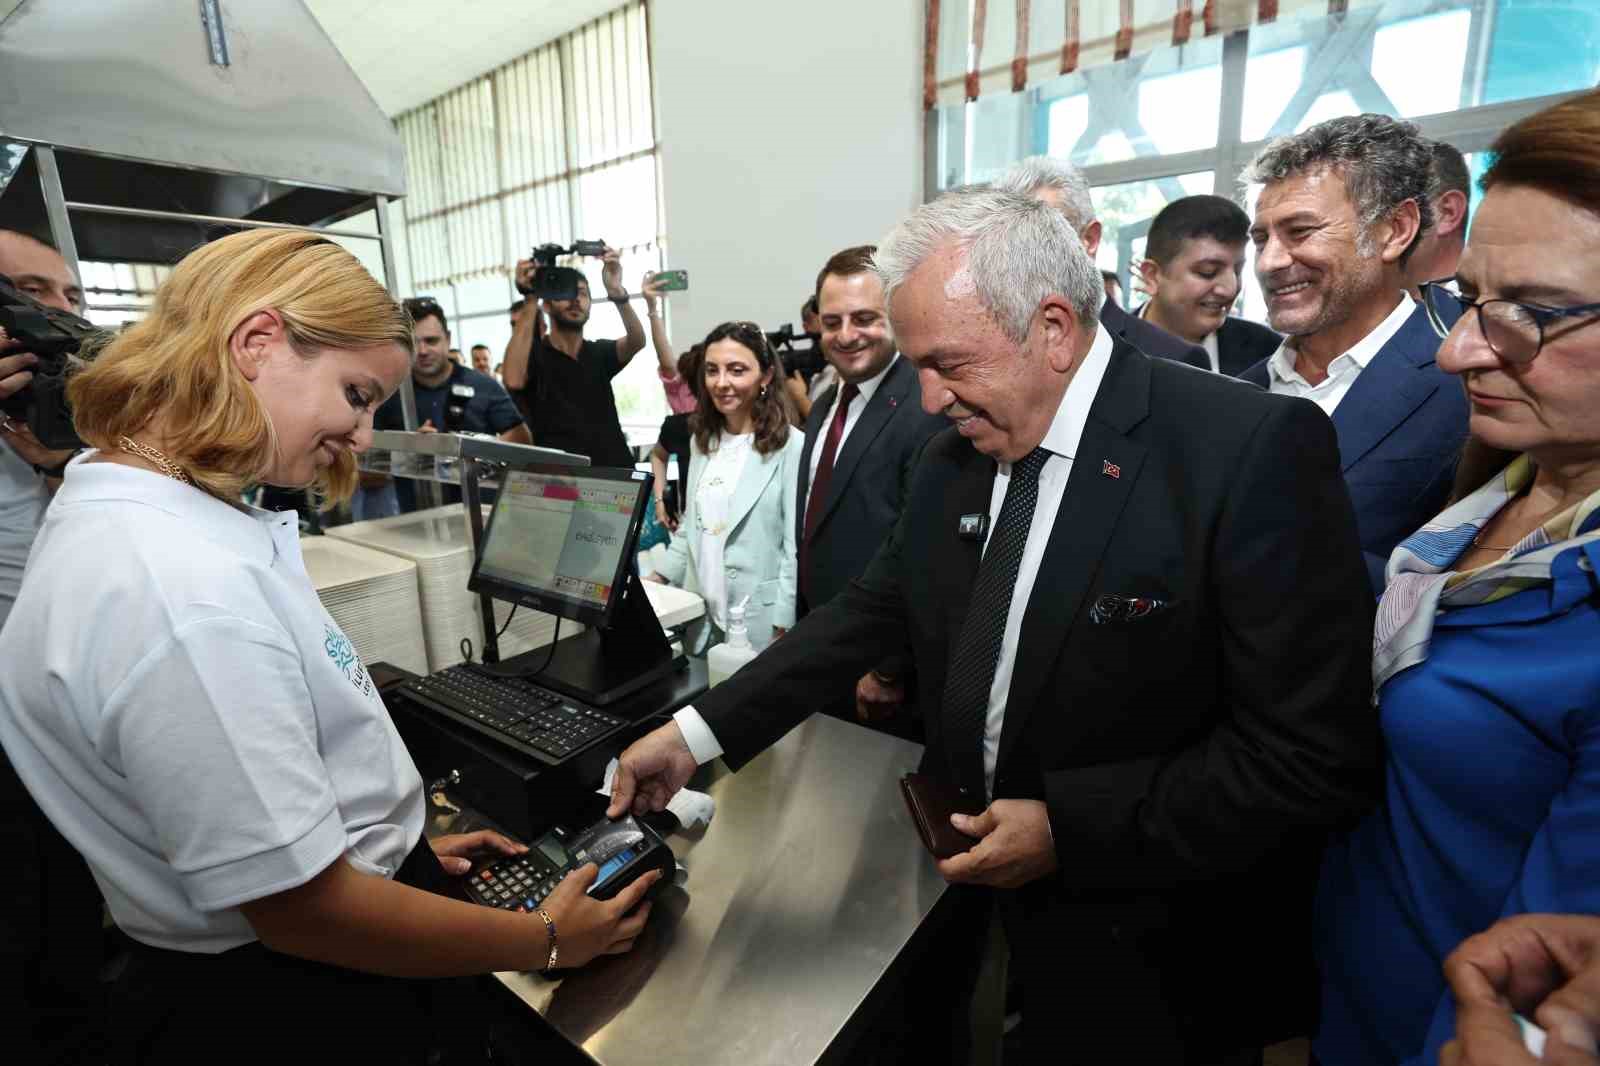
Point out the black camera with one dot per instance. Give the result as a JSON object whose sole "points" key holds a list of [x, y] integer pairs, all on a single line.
{"points": [[551, 282], [54, 336], [808, 361]]}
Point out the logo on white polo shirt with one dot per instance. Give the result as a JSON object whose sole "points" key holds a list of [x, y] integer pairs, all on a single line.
{"points": [[343, 654]]}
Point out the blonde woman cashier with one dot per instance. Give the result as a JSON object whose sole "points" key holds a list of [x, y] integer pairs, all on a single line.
{"points": [[191, 719]]}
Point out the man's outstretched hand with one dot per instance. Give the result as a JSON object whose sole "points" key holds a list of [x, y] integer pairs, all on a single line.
{"points": [[651, 772]]}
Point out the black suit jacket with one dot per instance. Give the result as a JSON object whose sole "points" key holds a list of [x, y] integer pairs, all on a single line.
{"points": [[1190, 760], [1150, 339], [1241, 344], [871, 478]]}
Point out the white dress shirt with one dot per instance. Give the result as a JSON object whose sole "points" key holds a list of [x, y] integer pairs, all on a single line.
{"points": [[713, 504], [1062, 438], [1210, 345], [868, 389], [1284, 380]]}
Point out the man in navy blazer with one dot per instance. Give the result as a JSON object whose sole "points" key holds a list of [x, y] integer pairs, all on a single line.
{"points": [[1064, 186], [874, 416], [1340, 211]]}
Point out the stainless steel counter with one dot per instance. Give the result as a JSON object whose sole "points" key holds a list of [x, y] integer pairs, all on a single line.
{"points": [[808, 883]]}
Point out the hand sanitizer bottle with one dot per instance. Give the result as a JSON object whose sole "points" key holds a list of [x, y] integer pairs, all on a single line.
{"points": [[724, 660]]}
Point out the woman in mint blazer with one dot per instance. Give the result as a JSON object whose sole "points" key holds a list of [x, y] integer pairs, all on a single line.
{"points": [[736, 539]]}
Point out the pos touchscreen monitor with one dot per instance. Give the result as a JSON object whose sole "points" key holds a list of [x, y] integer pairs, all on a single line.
{"points": [[562, 540]]}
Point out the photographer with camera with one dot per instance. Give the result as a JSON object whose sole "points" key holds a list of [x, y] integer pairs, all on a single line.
{"points": [[50, 940], [28, 470], [564, 381]]}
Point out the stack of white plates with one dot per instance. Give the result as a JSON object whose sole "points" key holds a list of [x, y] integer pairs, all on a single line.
{"points": [[437, 541], [373, 598]]}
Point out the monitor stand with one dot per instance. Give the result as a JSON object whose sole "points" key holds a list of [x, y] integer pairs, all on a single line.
{"points": [[603, 664]]}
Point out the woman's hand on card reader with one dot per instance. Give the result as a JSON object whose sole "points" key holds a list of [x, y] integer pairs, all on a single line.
{"points": [[588, 927]]}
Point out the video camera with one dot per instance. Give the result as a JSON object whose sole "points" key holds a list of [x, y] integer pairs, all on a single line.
{"points": [[807, 361], [54, 336], [551, 282]]}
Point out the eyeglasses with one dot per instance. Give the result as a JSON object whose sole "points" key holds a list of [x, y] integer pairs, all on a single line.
{"points": [[1514, 331]]}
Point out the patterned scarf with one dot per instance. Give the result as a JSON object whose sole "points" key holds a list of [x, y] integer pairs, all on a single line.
{"points": [[1420, 583]]}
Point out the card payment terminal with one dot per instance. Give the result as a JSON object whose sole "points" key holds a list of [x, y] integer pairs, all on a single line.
{"points": [[625, 850]]}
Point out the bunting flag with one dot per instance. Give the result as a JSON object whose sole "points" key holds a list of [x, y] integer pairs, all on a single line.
{"points": [[1069, 46], [1019, 60], [1124, 46], [951, 74], [980, 15], [1182, 22]]}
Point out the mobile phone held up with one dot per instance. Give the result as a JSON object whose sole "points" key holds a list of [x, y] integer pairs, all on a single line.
{"points": [[673, 280]]}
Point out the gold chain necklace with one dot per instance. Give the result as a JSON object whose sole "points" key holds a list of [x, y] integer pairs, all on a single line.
{"points": [[159, 459]]}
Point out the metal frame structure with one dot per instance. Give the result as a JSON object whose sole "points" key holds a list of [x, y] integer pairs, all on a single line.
{"points": [[59, 211], [1339, 58]]}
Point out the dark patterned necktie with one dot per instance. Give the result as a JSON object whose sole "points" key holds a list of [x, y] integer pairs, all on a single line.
{"points": [[966, 689], [817, 494]]}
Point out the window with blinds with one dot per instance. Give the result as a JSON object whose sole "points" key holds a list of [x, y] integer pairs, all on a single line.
{"points": [[557, 145]]}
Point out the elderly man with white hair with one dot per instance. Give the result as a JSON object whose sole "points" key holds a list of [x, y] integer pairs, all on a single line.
{"points": [[1063, 186], [1136, 601]]}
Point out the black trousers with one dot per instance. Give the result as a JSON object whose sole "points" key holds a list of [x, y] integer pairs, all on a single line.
{"points": [[1073, 1013], [255, 1005]]}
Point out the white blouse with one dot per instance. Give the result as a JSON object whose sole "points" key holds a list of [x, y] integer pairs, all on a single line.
{"points": [[714, 505]]}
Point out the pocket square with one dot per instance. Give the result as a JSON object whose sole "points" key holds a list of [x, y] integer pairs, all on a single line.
{"points": [[1110, 610]]}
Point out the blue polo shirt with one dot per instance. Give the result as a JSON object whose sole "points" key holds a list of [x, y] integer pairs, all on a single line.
{"points": [[466, 401]]}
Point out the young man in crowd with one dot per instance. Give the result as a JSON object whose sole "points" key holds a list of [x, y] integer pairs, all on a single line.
{"points": [[451, 398], [1193, 270]]}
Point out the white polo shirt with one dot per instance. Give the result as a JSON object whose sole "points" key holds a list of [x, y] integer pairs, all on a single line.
{"points": [[185, 711]]}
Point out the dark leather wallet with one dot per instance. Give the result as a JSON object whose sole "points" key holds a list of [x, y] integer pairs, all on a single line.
{"points": [[931, 801]]}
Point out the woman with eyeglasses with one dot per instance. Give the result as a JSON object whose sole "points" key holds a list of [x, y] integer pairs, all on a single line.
{"points": [[736, 540], [1487, 649], [195, 724]]}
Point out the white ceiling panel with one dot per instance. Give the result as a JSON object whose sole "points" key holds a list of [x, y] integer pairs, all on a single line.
{"points": [[407, 52]]}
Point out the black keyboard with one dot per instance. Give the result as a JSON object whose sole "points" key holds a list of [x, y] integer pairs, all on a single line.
{"points": [[517, 713]]}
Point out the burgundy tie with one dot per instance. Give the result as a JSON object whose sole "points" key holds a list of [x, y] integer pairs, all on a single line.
{"points": [[817, 497]]}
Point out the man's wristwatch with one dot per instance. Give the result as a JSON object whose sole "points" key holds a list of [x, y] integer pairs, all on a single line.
{"points": [[618, 300]]}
